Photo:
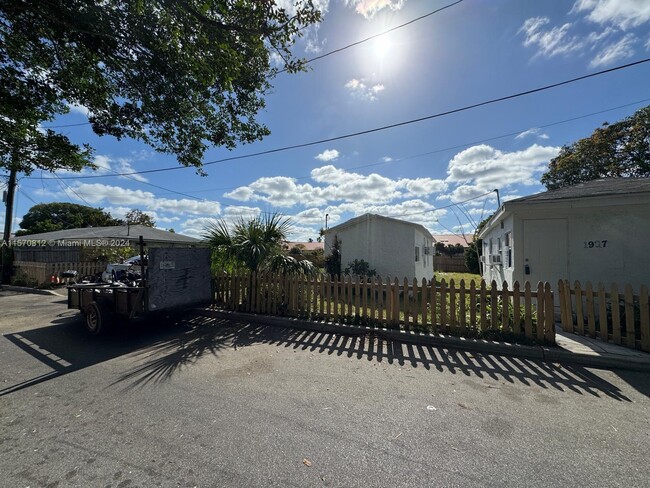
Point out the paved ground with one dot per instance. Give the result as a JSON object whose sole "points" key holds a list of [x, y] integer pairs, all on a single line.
{"points": [[210, 402]]}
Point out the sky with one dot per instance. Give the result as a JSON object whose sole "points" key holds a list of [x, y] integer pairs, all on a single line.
{"points": [[440, 172]]}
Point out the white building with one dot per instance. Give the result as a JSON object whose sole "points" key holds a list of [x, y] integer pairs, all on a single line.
{"points": [[597, 231], [394, 248]]}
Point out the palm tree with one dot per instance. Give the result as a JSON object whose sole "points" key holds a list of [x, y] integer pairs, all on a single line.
{"points": [[254, 245]]}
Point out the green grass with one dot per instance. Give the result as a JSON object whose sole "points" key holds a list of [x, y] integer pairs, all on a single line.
{"points": [[457, 277]]}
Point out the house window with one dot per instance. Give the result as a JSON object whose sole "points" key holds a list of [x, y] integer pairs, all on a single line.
{"points": [[417, 254], [491, 246], [508, 248]]}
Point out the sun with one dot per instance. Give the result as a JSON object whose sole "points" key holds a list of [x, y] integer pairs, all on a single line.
{"points": [[382, 47]]}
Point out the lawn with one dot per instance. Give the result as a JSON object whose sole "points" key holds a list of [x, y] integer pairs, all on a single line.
{"points": [[457, 277]]}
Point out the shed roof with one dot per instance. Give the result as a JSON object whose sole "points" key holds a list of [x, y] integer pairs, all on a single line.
{"points": [[130, 232], [369, 216], [595, 188]]}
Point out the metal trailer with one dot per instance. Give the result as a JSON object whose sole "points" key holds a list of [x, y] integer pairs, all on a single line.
{"points": [[174, 278]]}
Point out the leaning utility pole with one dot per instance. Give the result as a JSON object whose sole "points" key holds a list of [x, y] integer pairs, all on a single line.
{"points": [[6, 251]]}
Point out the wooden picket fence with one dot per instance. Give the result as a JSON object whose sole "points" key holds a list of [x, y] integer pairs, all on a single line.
{"points": [[41, 273], [621, 317], [446, 308]]}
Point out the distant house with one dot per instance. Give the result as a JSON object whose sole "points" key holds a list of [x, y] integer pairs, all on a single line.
{"points": [[596, 231], [454, 239], [394, 248], [305, 246]]}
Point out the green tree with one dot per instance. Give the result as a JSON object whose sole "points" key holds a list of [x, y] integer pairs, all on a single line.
{"points": [[254, 245], [138, 217], [176, 74], [48, 217], [359, 267], [621, 149], [472, 252]]}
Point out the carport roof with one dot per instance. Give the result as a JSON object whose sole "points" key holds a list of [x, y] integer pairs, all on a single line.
{"points": [[130, 232]]}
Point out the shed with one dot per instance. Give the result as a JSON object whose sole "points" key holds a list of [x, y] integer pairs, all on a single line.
{"points": [[394, 248], [596, 231], [39, 256]]}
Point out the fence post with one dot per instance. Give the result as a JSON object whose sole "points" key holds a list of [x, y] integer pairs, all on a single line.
{"points": [[561, 289], [602, 312], [516, 310], [528, 311], [644, 318], [452, 305], [414, 305], [483, 300], [396, 306], [424, 302], [434, 312], [580, 314], [591, 316], [373, 300], [494, 305], [444, 324], [549, 315], [629, 316], [335, 316], [380, 301], [505, 308], [540, 311], [616, 314], [472, 305]]}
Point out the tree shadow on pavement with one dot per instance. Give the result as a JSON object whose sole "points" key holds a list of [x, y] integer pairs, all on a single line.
{"points": [[205, 335]]}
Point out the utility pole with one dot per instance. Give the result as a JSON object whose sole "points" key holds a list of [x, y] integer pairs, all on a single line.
{"points": [[498, 198], [6, 252]]}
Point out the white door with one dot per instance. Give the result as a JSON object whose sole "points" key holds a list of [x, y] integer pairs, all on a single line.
{"points": [[545, 251]]}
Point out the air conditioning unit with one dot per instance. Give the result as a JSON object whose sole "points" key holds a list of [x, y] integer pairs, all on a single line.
{"points": [[495, 258]]}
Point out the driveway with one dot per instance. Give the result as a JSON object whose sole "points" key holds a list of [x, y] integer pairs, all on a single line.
{"points": [[210, 402]]}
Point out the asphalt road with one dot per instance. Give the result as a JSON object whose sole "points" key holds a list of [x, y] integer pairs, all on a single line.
{"points": [[205, 402]]}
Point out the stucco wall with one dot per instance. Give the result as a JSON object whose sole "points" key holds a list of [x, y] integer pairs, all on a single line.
{"points": [[388, 246], [607, 243]]}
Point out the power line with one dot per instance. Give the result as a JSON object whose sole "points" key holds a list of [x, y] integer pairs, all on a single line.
{"points": [[405, 158], [309, 61], [406, 122]]}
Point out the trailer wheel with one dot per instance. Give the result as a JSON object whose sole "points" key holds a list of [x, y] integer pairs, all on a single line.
{"points": [[96, 318]]}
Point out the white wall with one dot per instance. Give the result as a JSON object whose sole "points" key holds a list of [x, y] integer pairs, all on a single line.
{"points": [[619, 231], [387, 246]]}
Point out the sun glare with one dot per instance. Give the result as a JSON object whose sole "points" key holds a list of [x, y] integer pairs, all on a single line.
{"points": [[382, 47]]}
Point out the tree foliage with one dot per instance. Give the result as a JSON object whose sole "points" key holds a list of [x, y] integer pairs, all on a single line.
{"points": [[254, 245], [176, 74], [359, 267], [138, 217], [621, 149], [472, 252], [49, 217]]}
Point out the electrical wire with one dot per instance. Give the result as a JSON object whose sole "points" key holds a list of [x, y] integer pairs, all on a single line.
{"points": [[335, 51], [406, 122]]}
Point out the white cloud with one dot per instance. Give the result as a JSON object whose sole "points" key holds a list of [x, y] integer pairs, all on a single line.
{"points": [[386, 159], [622, 49], [624, 14], [120, 198], [335, 185], [368, 8], [328, 155], [109, 165], [360, 89], [482, 168], [532, 132], [421, 187], [549, 43], [312, 216], [79, 109]]}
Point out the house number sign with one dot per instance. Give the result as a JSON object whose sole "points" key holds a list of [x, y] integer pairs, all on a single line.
{"points": [[592, 244]]}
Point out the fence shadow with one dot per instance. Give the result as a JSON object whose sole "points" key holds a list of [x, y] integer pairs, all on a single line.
{"points": [[206, 335]]}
